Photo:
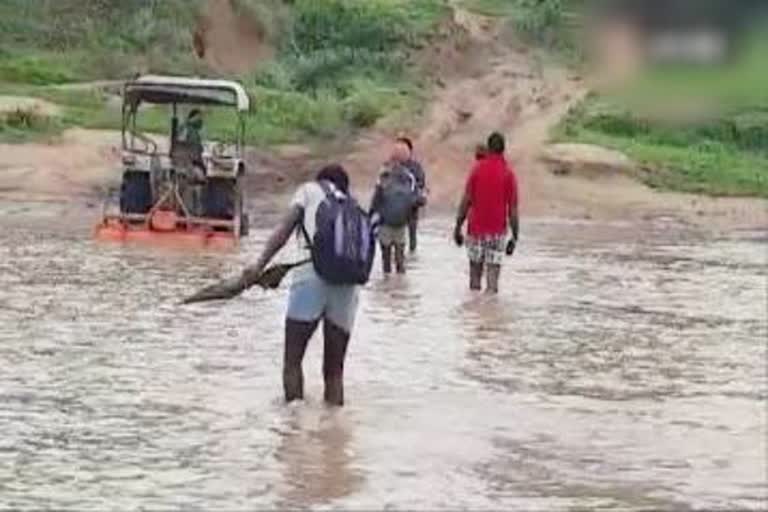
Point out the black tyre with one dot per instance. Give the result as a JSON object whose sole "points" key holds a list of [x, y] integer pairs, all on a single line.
{"points": [[219, 199], [135, 193]]}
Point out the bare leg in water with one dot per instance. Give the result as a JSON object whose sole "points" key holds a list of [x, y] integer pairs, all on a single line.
{"points": [[334, 352], [475, 276], [400, 258], [386, 258], [494, 271], [413, 228], [297, 335]]}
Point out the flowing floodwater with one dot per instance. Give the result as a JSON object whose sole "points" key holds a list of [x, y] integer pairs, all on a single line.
{"points": [[622, 367]]}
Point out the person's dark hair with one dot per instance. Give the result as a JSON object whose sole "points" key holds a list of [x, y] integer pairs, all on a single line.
{"points": [[195, 112], [408, 142], [496, 144], [336, 174]]}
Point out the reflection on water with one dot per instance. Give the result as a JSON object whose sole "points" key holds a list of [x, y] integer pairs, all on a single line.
{"points": [[619, 368], [316, 459]]}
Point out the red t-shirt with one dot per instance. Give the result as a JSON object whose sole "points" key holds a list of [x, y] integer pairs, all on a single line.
{"points": [[492, 190]]}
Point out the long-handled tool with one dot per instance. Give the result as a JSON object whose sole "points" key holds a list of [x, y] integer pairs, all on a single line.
{"points": [[230, 288]]}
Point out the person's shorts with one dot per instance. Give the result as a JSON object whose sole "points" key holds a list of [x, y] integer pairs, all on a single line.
{"points": [[389, 235], [311, 299], [488, 249]]}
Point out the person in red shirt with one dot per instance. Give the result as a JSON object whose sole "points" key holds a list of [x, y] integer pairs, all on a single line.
{"points": [[490, 202]]}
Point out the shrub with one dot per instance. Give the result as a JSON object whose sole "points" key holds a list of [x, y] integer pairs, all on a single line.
{"points": [[371, 25], [36, 70], [21, 124]]}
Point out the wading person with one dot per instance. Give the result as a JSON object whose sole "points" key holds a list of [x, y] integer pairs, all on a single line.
{"points": [[490, 202], [394, 201], [335, 233], [420, 179]]}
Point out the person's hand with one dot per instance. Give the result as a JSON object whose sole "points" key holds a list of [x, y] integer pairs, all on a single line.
{"points": [[242, 282], [249, 276], [458, 237], [511, 246]]}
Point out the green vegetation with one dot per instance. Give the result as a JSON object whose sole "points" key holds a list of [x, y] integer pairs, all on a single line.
{"points": [[340, 64], [723, 152], [22, 125], [547, 24], [57, 41], [727, 155]]}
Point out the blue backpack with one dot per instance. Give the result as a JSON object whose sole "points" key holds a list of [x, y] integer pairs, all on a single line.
{"points": [[343, 247]]}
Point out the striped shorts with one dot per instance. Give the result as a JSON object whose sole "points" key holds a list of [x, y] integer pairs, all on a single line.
{"points": [[487, 249]]}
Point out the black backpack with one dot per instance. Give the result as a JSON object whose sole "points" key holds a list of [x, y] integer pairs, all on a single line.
{"points": [[398, 197], [343, 247]]}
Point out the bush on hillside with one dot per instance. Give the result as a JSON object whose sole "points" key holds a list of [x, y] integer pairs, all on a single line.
{"points": [[339, 63], [108, 37], [22, 124], [370, 25], [35, 69]]}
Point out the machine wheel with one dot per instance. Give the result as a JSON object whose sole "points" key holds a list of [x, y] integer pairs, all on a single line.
{"points": [[219, 198], [135, 192]]}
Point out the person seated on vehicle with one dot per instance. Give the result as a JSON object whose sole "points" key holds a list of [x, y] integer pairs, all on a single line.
{"points": [[191, 130], [187, 158], [394, 200], [190, 137]]}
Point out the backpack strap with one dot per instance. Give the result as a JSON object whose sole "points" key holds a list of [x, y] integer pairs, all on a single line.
{"points": [[330, 193], [303, 229]]}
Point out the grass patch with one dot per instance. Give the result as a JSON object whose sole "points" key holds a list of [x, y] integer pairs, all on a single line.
{"points": [[56, 41], [727, 156], [22, 125], [496, 8], [699, 129], [36, 69], [340, 64]]}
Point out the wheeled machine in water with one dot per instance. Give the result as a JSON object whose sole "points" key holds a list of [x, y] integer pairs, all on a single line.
{"points": [[190, 193]]}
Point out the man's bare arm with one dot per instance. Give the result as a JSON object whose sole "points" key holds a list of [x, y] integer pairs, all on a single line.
{"points": [[461, 218], [276, 241], [514, 221]]}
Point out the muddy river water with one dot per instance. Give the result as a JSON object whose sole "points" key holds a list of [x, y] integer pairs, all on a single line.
{"points": [[622, 367]]}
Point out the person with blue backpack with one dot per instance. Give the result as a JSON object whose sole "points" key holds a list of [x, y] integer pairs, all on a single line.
{"points": [[394, 201], [337, 238]]}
